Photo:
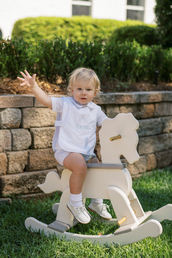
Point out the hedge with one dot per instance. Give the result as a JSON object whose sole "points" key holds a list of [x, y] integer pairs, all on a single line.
{"points": [[163, 12], [143, 34], [16, 55], [132, 62], [76, 28], [58, 58]]}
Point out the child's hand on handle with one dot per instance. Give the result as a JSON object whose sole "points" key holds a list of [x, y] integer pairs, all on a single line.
{"points": [[28, 80]]}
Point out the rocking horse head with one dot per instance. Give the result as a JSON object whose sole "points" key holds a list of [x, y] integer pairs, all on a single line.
{"points": [[118, 137]]}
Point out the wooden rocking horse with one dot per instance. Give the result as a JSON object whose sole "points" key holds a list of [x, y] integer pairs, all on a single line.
{"points": [[107, 180]]}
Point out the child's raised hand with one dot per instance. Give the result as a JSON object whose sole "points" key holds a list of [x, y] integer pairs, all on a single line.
{"points": [[28, 79]]}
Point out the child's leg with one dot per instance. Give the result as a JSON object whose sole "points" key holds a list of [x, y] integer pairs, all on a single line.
{"points": [[97, 205], [75, 162]]}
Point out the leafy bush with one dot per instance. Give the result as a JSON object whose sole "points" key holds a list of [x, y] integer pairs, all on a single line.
{"points": [[163, 12], [122, 60], [154, 59], [77, 28], [52, 59], [15, 55], [132, 62], [58, 58], [144, 35]]}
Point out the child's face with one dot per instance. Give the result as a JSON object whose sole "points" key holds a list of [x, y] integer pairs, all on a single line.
{"points": [[83, 92]]}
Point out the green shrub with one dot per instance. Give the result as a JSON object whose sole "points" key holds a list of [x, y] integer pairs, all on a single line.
{"points": [[130, 61], [166, 68], [51, 62], [163, 12], [154, 59], [58, 58], [122, 60], [143, 34], [15, 55], [77, 28]]}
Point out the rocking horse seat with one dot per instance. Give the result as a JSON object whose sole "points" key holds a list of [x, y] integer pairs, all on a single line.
{"points": [[101, 166]]}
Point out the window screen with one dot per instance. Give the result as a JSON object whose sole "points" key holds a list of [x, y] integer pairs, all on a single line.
{"points": [[80, 10], [135, 15], [136, 2]]}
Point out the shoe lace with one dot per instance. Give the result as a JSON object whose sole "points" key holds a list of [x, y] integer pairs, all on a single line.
{"points": [[104, 207], [81, 209]]}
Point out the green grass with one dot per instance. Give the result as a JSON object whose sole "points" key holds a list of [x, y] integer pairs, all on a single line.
{"points": [[153, 191]]}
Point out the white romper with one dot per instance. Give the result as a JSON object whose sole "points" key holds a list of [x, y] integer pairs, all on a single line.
{"points": [[75, 127]]}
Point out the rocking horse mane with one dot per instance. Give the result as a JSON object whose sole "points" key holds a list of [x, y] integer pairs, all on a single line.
{"points": [[124, 125]]}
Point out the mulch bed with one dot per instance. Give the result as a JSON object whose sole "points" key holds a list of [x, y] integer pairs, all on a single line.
{"points": [[10, 86]]}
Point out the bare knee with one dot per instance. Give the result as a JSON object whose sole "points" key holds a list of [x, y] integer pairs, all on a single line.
{"points": [[75, 162]]}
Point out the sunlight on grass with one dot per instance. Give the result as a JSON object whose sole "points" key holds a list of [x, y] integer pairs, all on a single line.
{"points": [[153, 191]]}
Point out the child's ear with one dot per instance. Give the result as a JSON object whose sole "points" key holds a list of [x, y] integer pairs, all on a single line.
{"points": [[95, 93]]}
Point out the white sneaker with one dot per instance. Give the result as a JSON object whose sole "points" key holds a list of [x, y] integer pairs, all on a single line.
{"points": [[79, 212], [100, 209]]}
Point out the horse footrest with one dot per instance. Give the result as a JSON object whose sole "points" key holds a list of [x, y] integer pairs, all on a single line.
{"points": [[59, 226]]}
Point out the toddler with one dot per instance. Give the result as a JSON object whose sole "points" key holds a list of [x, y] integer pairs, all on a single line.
{"points": [[75, 134]]}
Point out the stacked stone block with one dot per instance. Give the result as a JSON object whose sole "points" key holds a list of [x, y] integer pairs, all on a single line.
{"points": [[26, 132], [27, 129]]}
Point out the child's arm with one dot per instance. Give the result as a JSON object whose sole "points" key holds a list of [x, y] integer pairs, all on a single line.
{"points": [[39, 94]]}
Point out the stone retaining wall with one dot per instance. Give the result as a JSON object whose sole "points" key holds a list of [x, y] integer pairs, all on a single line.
{"points": [[27, 128]]}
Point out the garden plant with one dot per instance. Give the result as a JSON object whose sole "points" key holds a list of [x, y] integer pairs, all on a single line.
{"points": [[53, 59]]}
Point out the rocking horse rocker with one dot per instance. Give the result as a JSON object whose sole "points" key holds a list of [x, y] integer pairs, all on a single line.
{"points": [[117, 137]]}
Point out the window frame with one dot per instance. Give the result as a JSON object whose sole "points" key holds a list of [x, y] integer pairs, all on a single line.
{"points": [[136, 8], [136, 5], [82, 3]]}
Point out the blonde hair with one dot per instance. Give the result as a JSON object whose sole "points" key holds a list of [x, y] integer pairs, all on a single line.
{"points": [[83, 74]]}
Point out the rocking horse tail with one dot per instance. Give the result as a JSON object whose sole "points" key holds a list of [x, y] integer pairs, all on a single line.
{"points": [[52, 183]]}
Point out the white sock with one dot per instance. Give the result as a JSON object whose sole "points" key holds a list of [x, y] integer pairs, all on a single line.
{"points": [[97, 201], [76, 199]]}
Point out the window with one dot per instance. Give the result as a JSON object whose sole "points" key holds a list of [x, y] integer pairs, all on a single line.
{"points": [[135, 10], [135, 15], [136, 2], [82, 7]]}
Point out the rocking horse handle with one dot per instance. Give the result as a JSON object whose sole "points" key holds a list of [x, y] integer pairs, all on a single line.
{"points": [[115, 137]]}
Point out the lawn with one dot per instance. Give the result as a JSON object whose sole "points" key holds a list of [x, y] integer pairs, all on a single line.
{"points": [[153, 191]]}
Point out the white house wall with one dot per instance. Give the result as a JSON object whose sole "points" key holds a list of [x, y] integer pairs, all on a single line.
{"points": [[149, 11], [109, 9], [13, 10]]}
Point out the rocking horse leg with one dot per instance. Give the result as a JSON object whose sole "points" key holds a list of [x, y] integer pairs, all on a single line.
{"points": [[55, 208], [161, 214], [64, 215], [127, 219], [121, 206], [135, 204], [64, 220]]}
